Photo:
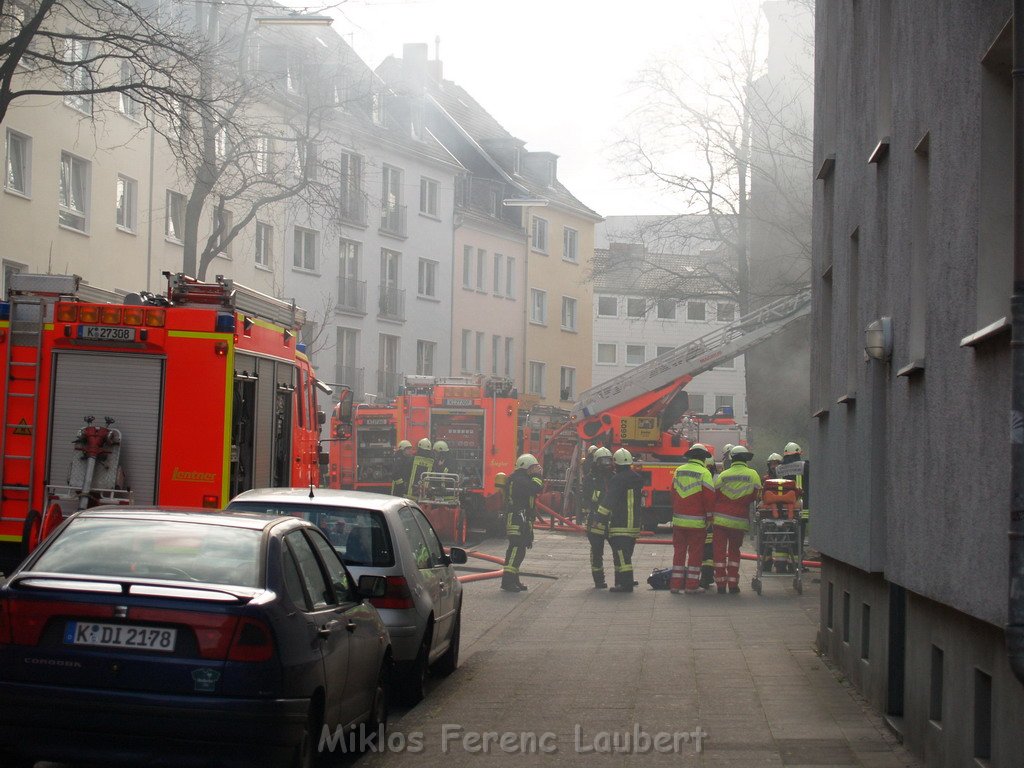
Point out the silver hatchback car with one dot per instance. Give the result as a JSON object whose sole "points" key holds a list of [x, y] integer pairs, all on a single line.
{"points": [[387, 536]]}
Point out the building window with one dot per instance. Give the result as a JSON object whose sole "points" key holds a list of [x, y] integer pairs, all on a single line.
{"points": [[723, 401], [351, 185], [982, 715], [223, 221], [478, 350], [428, 278], [128, 105], [846, 617], [125, 203], [538, 306], [77, 77], [510, 277], [570, 244], [666, 309], [607, 306], [499, 268], [495, 353], [695, 403], [74, 192], [18, 171], [387, 365], [636, 307], [391, 189], [264, 153], [264, 244], [425, 357], [509, 356], [830, 606], [295, 76], [536, 386], [428, 197], [304, 252], [726, 312], [467, 339], [467, 266], [865, 631], [307, 159], [567, 384], [935, 694], [220, 143], [635, 354], [607, 354], [663, 351], [568, 313], [174, 227], [540, 235], [696, 310], [481, 262]]}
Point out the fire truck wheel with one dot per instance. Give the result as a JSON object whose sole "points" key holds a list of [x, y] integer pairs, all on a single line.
{"points": [[30, 532]]}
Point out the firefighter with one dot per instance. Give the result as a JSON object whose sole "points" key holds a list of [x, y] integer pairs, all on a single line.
{"points": [[795, 467], [525, 483], [776, 558], [735, 489], [620, 506], [422, 462], [773, 464], [692, 505], [726, 458], [707, 565], [401, 466], [440, 449], [594, 485]]}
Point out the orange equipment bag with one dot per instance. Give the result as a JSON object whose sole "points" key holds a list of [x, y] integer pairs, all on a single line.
{"points": [[779, 500]]}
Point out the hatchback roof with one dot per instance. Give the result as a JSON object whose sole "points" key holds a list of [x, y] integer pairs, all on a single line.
{"points": [[324, 496], [248, 520]]}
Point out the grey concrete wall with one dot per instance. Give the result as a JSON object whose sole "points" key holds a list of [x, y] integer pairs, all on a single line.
{"points": [[911, 475]]}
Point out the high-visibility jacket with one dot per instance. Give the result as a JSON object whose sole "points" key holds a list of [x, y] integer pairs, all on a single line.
{"points": [[620, 503], [523, 490], [421, 463], [799, 470], [694, 497], [735, 488], [594, 485]]}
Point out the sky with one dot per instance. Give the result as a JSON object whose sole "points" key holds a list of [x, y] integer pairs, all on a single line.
{"points": [[558, 74]]}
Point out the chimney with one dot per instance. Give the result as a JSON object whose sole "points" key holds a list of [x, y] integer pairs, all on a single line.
{"points": [[435, 67]]}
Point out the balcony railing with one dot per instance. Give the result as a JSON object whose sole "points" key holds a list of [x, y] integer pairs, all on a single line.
{"points": [[352, 295], [352, 378], [393, 220], [388, 383], [391, 303], [352, 209]]}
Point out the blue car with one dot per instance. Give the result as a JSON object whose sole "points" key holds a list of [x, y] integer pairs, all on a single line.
{"points": [[155, 636]]}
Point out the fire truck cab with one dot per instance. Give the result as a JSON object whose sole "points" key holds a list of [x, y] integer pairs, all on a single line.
{"points": [[207, 386]]}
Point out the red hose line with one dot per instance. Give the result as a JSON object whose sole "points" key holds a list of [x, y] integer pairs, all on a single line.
{"points": [[485, 556], [480, 576]]}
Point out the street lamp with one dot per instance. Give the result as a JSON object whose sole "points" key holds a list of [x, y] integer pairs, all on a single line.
{"points": [[525, 203]]}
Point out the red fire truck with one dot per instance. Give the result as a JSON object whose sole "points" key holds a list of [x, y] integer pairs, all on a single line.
{"points": [[209, 392], [362, 447]]}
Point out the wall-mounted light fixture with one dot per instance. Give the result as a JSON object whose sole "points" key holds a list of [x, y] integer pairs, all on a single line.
{"points": [[878, 339]]}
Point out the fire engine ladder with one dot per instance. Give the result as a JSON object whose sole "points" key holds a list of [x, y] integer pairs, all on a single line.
{"points": [[695, 357], [31, 299]]}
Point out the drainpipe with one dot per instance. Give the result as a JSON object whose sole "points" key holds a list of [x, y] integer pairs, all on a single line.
{"points": [[1015, 608]]}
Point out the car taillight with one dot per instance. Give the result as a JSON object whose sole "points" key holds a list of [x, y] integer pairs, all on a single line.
{"points": [[252, 641], [5, 623], [397, 594]]}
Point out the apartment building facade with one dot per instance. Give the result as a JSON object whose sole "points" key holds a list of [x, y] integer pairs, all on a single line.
{"points": [[911, 495]]}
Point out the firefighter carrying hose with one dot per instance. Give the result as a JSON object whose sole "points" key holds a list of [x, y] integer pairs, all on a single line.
{"points": [[523, 487], [401, 467], [594, 484], [735, 489], [692, 505], [620, 505]]}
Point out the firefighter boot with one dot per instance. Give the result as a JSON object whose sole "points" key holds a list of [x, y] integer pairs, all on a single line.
{"points": [[508, 582], [623, 584], [599, 582], [520, 586]]}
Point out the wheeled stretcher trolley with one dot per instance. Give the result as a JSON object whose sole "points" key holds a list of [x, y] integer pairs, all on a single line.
{"points": [[776, 528]]}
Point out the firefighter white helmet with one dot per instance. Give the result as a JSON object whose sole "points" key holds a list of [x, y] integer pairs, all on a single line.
{"points": [[622, 457], [602, 453], [791, 449], [741, 453], [591, 450], [526, 461], [774, 457], [440, 447], [402, 445], [727, 449], [424, 444], [697, 451]]}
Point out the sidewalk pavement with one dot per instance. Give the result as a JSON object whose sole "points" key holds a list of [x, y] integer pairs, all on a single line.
{"points": [[587, 668]]}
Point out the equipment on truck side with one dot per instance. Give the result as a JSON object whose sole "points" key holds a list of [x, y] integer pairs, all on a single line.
{"points": [[439, 495], [210, 391], [362, 449], [646, 409]]}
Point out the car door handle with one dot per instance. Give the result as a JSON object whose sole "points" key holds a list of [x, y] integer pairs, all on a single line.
{"points": [[326, 629], [350, 626]]}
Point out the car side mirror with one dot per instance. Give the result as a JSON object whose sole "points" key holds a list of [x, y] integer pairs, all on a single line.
{"points": [[458, 556], [372, 586]]}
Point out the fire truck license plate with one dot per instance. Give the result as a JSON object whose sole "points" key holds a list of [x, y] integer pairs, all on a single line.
{"points": [[119, 636], [105, 333]]}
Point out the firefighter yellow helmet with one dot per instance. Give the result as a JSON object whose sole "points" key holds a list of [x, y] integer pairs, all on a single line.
{"points": [[741, 453], [526, 461], [440, 447], [622, 457], [791, 449], [424, 444], [774, 457], [697, 451], [402, 445]]}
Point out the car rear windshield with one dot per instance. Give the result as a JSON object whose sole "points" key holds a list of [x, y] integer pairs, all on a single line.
{"points": [[156, 549], [360, 536]]}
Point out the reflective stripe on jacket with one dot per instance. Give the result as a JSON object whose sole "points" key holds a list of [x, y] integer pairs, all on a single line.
{"points": [[620, 503], [735, 488], [694, 496]]}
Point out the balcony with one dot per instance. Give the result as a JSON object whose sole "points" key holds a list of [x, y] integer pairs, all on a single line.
{"points": [[393, 220], [352, 378], [351, 295], [388, 383], [391, 303], [352, 209]]}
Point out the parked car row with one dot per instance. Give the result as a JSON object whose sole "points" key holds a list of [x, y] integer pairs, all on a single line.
{"points": [[151, 635]]}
